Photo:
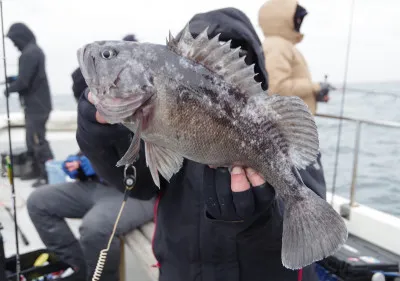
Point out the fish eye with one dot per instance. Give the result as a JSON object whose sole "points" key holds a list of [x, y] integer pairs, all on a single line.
{"points": [[108, 54]]}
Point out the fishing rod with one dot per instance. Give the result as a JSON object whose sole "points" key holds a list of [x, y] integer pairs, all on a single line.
{"points": [[365, 91], [343, 98], [11, 160]]}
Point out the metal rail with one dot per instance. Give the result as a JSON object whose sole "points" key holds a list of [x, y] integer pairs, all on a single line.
{"points": [[359, 123]]}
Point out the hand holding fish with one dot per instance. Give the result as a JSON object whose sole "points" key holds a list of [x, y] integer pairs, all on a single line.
{"points": [[237, 197], [99, 118]]}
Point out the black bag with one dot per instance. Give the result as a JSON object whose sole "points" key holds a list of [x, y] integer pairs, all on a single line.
{"points": [[359, 260], [30, 272], [21, 161]]}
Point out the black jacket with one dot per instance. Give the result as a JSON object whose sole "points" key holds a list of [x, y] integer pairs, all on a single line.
{"points": [[31, 83], [78, 83], [203, 230]]}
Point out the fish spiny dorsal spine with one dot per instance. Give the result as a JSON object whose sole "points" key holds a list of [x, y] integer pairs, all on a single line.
{"points": [[220, 59]]}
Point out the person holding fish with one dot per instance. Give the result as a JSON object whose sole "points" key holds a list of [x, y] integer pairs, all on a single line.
{"points": [[196, 107]]}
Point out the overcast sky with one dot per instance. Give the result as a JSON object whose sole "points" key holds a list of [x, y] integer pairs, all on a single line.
{"points": [[62, 26]]}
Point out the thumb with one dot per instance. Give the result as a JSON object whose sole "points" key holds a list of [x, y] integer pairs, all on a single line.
{"points": [[100, 118], [239, 181]]}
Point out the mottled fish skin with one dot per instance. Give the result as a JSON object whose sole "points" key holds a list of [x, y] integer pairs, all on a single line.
{"points": [[196, 99]]}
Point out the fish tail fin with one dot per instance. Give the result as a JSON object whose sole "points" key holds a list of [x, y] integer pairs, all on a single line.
{"points": [[312, 230]]}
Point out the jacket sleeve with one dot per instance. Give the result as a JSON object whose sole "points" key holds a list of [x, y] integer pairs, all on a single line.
{"points": [[104, 145], [278, 58], [27, 69]]}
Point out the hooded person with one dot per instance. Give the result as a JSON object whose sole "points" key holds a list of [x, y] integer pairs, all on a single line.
{"points": [[33, 88], [210, 224], [280, 21]]}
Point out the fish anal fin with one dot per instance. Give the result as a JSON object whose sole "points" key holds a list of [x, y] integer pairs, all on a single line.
{"points": [[162, 160], [219, 58]]}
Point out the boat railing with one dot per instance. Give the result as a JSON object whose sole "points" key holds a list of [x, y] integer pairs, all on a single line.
{"points": [[359, 123]]}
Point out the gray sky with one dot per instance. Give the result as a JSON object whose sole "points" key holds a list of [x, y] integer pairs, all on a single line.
{"points": [[61, 27]]}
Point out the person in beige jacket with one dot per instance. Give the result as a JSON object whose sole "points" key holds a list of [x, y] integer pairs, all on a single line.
{"points": [[287, 69]]}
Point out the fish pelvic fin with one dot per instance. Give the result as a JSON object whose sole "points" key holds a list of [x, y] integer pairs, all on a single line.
{"points": [[218, 57], [296, 124], [312, 230], [163, 160]]}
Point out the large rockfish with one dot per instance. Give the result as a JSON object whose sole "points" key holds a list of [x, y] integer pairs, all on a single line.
{"points": [[197, 99]]}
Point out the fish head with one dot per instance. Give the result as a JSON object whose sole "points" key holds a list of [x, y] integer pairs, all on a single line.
{"points": [[117, 74]]}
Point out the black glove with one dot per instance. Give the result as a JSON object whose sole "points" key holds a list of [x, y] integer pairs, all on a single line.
{"points": [[323, 95], [6, 93], [222, 204]]}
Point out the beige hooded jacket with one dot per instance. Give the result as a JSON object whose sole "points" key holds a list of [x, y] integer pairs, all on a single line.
{"points": [[287, 69]]}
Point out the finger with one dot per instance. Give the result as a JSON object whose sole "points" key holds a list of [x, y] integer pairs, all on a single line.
{"points": [[100, 118], [90, 97], [254, 177], [239, 181], [224, 194]]}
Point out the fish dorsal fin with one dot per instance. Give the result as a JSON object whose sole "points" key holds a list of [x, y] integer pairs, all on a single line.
{"points": [[219, 58], [296, 125]]}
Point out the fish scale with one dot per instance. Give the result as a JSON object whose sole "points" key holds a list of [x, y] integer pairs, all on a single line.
{"points": [[196, 98]]}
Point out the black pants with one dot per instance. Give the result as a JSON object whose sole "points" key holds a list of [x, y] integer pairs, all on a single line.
{"points": [[38, 147]]}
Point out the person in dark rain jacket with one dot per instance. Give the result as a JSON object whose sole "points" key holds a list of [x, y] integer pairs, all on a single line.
{"points": [[33, 88], [210, 224]]}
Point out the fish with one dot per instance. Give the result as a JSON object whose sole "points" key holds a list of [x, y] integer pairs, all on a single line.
{"points": [[197, 99]]}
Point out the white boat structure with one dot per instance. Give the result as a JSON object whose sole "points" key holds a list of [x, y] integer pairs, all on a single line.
{"points": [[378, 228]]}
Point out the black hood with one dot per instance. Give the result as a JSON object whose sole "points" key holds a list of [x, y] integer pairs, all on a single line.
{"points": [[299, 16], [21, 35], [130, 37], [233, 25]]}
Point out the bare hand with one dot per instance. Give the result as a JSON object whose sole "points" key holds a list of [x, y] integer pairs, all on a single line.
{"points": [[99, 118], [72, 166], [243, 179]]}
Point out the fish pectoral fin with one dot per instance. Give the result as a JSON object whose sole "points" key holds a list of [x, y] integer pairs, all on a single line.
{"points": [[163, 160], [132, 153]]}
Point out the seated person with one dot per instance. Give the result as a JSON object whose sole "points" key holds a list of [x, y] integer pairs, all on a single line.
{"points": [[95, 202]]}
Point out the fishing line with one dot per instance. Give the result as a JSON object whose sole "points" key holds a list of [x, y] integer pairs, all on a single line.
{"points": [[375, 92], [11, 171], [343, 98]]}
